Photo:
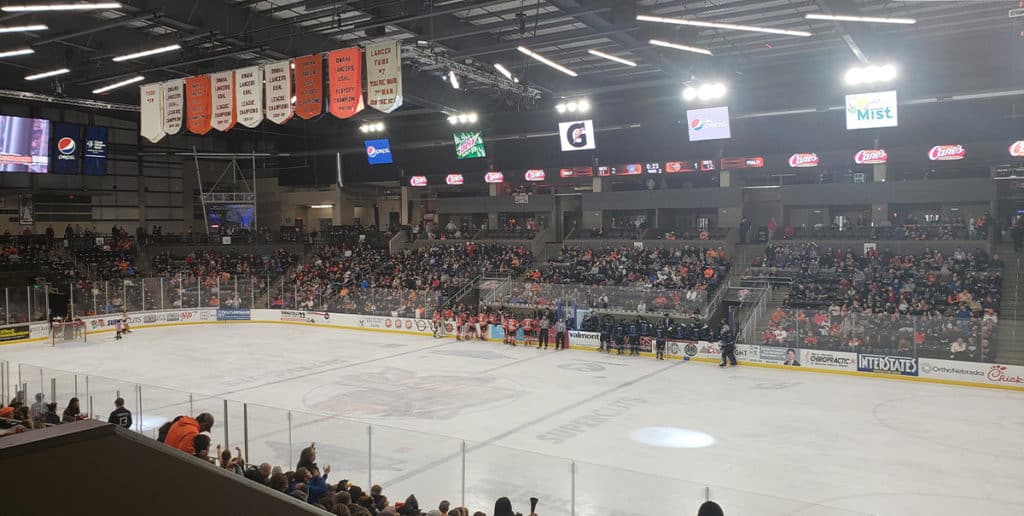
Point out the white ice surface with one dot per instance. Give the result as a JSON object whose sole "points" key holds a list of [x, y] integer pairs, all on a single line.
{"points": [[783, 442]]}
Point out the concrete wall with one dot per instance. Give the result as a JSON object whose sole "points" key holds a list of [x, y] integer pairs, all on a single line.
{"points": [[136, 476]]}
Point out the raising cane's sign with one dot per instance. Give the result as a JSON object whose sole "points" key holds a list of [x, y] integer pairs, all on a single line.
{"points": [[803, 160], [947, 152], [418, 181], [1017, 149], [871, 157]]}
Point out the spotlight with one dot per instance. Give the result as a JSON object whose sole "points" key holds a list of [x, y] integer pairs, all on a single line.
{"points": [[578, 105], [704, 91], [469, 117], [453, 79], [870, 74]]}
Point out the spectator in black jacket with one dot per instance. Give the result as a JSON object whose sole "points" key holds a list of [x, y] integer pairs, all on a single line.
{"points": [[120, 416]]}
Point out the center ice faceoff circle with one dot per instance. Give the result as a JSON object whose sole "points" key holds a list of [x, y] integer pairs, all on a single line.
{"points": [[671, 437]]}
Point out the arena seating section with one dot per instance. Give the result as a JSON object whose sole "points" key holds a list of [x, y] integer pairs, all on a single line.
{"points": [[927, 304]]}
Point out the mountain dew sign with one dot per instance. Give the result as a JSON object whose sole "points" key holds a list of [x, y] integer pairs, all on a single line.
{"points": [[469, 145]]}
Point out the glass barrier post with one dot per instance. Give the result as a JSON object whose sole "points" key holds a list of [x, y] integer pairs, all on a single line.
{"points": [[71, 300], [143, 295], [199, 292], [161, 294], [290, 455], [28, 302], [369, 455], [7, 306], [181, 289], [245, 428]]}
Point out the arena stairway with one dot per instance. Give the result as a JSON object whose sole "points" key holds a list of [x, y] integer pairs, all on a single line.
{"points": [[1010, 349]]}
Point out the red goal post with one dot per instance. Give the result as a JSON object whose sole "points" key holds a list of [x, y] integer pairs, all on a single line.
{"points": [[67, 331]]}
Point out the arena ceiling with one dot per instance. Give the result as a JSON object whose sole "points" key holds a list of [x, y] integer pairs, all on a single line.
{"points": [[224, 34]]}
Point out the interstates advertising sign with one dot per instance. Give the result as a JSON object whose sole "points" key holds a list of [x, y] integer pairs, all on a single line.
{"points": [[975, 372], [870, 110], [871, 157], [708, 124], [10, 333], [885, 364]]}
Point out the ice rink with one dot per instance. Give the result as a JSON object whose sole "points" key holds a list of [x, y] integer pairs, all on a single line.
{"points": [[646, 435]]}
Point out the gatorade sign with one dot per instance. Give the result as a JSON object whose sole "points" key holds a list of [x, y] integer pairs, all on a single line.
{"points": [[576, 136]]}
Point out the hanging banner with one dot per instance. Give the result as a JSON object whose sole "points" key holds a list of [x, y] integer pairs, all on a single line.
{"points": [[95, 154], [199, 104], [223, 84], [345, 82], [66, 140], [309, 86], [278, 82], [174, 105], [384, 76], [249, 96], [151, 112], [26, 214]]}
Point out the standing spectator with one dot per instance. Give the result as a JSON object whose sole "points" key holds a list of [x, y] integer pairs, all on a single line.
{"points": [[38, 409], [183, 432], [72, 412], [121, 416]]}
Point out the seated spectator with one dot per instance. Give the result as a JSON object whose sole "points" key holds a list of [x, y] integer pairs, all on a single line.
{"points": [[183, 431], [72, 412]]}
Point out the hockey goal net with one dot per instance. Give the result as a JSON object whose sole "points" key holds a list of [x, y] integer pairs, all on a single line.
{"points": [[68, 331]]}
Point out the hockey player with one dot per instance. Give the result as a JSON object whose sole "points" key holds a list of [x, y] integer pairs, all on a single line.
{"points": [[728, 346], [659, 339], [560, 335], [606, 336], [542, 332], [118, 328], [634, 337], [438, 325], [619, 334], [528, 332]]}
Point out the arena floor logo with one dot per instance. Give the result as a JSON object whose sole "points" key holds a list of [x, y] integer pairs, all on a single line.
{"points": [[392, 393]]}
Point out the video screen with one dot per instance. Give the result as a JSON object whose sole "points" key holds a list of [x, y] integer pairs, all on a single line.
{"points": [[24, 145], [228, 217]]}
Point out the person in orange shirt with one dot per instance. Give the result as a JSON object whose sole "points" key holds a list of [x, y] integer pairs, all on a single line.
{"points": [[185, 429]]}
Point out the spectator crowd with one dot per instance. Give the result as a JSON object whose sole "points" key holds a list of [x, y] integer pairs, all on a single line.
{"points": [[928, 304]]}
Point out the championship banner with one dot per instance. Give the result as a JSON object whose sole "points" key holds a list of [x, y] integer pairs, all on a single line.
{"points": [[309, 86], [223, 100], [199, 104], [174, 105], [384, 76], [249, 96], [345, 82], [278, 82], [151, 112]]}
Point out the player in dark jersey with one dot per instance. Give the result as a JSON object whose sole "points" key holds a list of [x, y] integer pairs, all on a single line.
{"points": [[121, 416]]}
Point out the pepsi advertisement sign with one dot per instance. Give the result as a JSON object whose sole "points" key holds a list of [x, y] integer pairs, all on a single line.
{"points": [[708, 124], [378, 152], [67, 151], [95, 152]]}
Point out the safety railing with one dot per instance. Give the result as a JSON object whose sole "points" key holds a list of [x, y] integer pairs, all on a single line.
{"points": [[434, 467]]}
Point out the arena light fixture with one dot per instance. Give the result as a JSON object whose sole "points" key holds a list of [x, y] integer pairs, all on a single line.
{"points": [[573, 106], [16, 52], [463, 118], [870, 74], [453, 79], [372, 127], [79, 6], [610, 57], [146, 53], [704, 91], [677, 46], [22, 28], [863, 19], [43, 75], [119, 84], [547, 61], [503, 71], [321, 206], [724, 26]]}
